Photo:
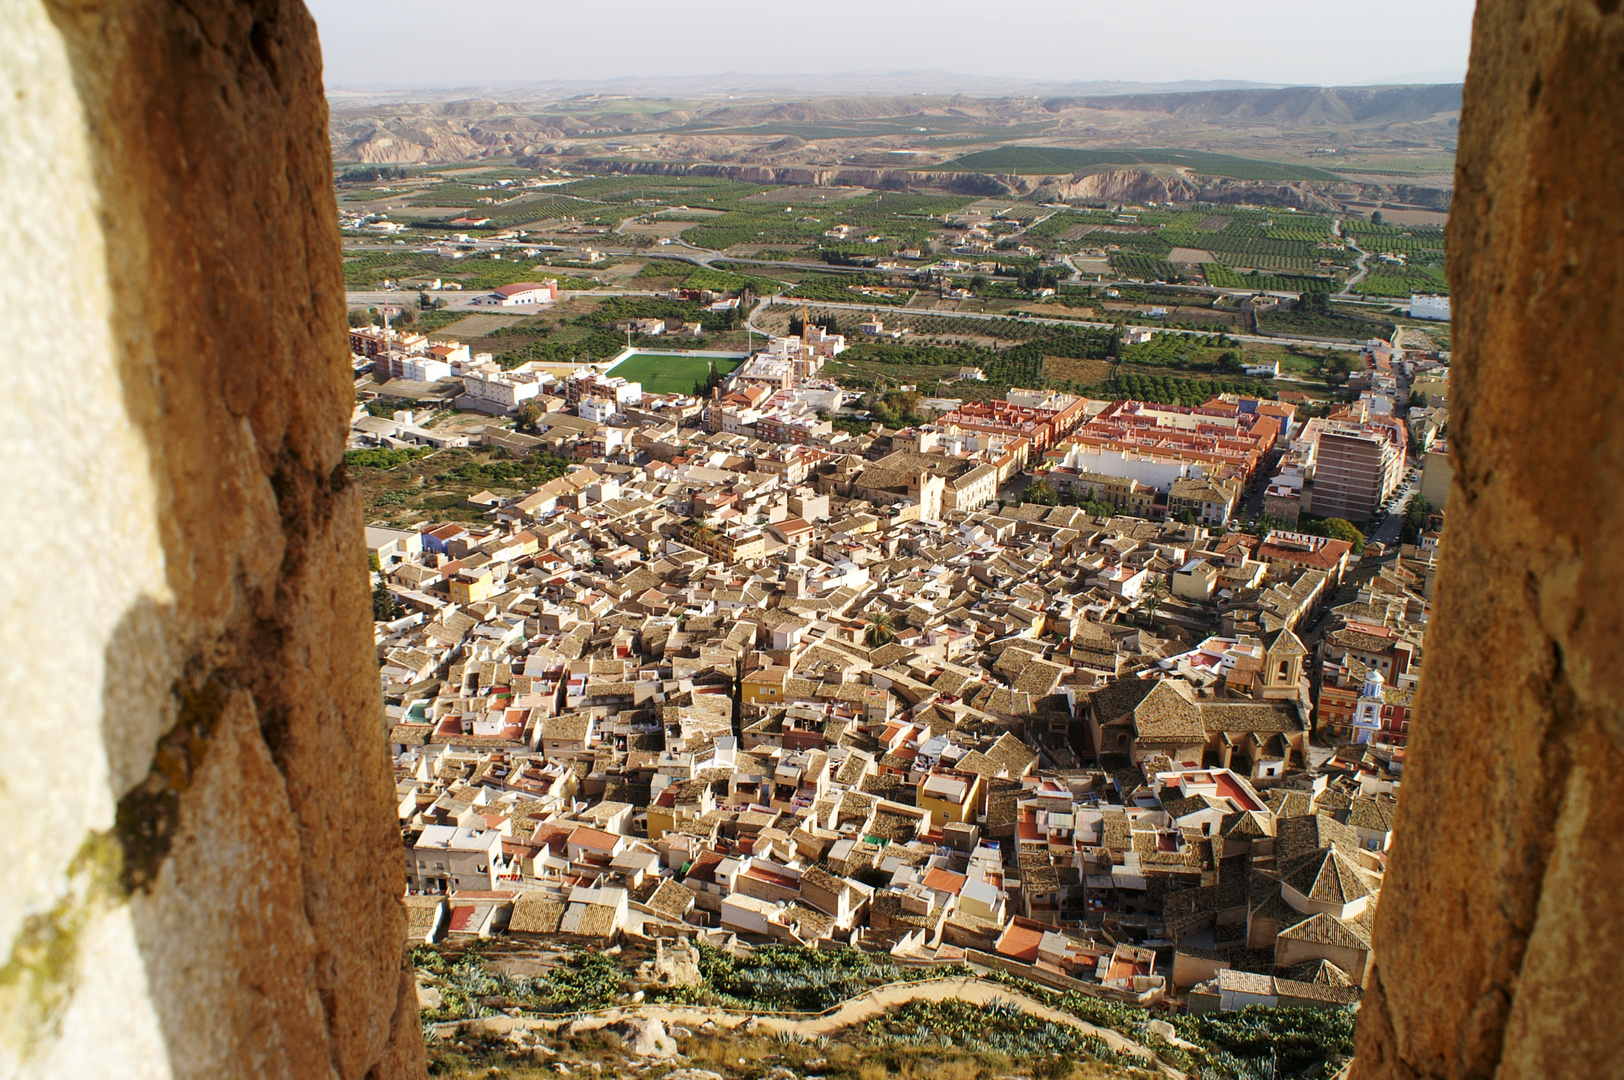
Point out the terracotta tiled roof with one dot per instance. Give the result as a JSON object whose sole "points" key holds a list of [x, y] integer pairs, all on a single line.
{"points": [[1330, 877], [1324, 929], [536, 914], [671, 899], [1120, 698], [1374, 813], [1278, 716], [1300, 837], [1169, 712]]}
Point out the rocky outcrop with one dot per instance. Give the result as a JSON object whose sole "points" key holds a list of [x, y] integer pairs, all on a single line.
{"points": [[1140, 185], [1107, 185], [1497, 945], [674, 964], [203, 870], [645, 1037]]}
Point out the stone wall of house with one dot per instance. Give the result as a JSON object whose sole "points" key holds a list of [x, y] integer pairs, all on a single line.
{"points": [[202, 871], [1498, 940]]}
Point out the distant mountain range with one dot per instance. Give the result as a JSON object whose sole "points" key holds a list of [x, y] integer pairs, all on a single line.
{"points": [[741, 84], [840, 122]]}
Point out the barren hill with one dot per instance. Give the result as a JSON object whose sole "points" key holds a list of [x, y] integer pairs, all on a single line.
{"points": [[1364, 134]]}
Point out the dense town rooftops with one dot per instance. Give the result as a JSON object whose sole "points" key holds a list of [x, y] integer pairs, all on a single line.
{"points": [[693, 688]]}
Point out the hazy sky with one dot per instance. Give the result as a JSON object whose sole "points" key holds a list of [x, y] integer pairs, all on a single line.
{"points": [[489, 42]]}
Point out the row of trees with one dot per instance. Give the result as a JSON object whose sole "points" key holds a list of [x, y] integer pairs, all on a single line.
{"points": [[374, 317], [1043, 494], [1334, 527], [367, 174], [713, 379], [1171, 390], [828, 323]]}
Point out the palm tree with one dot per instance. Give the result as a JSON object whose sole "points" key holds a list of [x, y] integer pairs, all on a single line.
{"points": [[1155, 593], [881, 629], [703, 533], [529, 413]]}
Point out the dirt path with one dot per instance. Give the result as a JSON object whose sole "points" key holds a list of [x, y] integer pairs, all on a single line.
{"points": [[1358, 266], [856, 1011]]}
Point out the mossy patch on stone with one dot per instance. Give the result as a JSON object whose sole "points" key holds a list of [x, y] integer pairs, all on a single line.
{"points": [[38, 976]]}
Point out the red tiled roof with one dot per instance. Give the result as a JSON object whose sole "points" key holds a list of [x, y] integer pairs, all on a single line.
{"points": [[552, 836], [1020, 943], [1229, 789], [519, 287], [704, 868], [596, 839], [945, 881], [1321, 558]]}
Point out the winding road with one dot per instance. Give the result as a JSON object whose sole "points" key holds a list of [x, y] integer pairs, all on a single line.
{"points": [[1359, 273]]}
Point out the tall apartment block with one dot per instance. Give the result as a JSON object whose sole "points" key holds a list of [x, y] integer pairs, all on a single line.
{"points": [[1354, 473]]}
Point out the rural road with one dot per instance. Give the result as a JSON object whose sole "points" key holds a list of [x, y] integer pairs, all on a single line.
{"points": [[1347, 292]]}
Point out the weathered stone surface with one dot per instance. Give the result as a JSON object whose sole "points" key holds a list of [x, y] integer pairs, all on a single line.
{"points": [[1165, 1030], [203, 868], [1497, 943], [645, 1037]]}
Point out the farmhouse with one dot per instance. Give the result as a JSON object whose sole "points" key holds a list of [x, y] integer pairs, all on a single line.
{"points": [[521, 293]]}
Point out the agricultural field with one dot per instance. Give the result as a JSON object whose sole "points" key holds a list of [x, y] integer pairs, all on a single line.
{"points": [[1144, 267], [1179, 351], [1148, 245], [1058, 370], [1049, 160], [661, 274], [797, 194], [1130, 382], [670, 374], [480, 325], [606, 200], [1224, 277], [1421, 248], [942, 379], [404, 488], [1432, 219], [904, 220], [1400, 282], [660, 227], [1069, 224], [1335, 324], [369, 270], [586, 333], [843, 289]]}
